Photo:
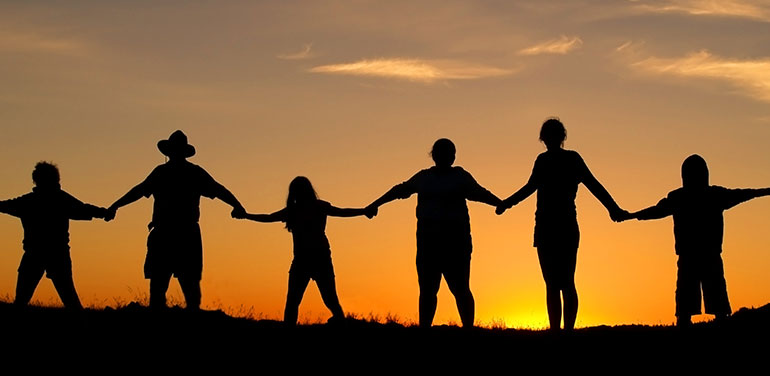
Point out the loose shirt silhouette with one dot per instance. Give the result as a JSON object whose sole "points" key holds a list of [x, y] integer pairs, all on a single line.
{"points": [[45, 216], [698, 216], [443, 223], [442, 193], [175, 242]]}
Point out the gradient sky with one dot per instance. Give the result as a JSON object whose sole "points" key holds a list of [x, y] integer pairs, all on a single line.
{"points": [[352, 94]]}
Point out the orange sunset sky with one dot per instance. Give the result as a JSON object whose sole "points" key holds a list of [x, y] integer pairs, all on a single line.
{"points": [[352, 94]]}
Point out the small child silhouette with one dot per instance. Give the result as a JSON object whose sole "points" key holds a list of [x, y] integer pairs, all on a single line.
{"points": [[45, 213], [305, 217], [697, 208]]}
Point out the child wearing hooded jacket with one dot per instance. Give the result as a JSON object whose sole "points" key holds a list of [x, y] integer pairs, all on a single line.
{"points": [[697, 209]]}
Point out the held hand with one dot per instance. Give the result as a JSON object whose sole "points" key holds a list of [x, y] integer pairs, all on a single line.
{"points": [[502, 208], [620, 215], [102, 213], [371, 211], [110, 213], [238, 213]]}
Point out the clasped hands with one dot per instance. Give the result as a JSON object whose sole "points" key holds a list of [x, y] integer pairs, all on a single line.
{"points": [[371, 211], [239, 212]]}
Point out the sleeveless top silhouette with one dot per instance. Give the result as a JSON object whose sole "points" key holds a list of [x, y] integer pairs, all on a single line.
{"points": [[556, 176], [308, 229], [45, 215]]}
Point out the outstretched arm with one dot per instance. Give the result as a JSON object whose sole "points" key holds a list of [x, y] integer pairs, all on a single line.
{"points": [[400, 191], [481, 194], [737, 196], [524, 192], [661, 210], [81, 211], [131, 196], [279, 216], [597, 189], [350, 212], [226, 196], [212, 189], [527, 190], [12, 207]]}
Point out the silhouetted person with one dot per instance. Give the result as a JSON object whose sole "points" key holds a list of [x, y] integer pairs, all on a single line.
{"points": [[443, 229], [45, 213], [697, 208], [555, 177], [305, 217], [174, 244]]}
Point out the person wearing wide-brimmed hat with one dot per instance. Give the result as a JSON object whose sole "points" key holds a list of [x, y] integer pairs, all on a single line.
{"points": [[174, 245]]}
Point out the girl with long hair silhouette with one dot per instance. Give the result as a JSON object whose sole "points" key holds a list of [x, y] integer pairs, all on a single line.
{"points": [[305, 217], [555, 177]]}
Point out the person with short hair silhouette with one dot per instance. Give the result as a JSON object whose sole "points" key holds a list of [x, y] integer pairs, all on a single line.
{"points": [[45, 214], [698, 208], [556, 176], [305, 217], [174, 246], [443, 229]]}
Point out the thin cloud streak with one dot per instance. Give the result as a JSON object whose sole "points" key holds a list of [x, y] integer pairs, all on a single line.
{"points": [[623, 46], [752, 76], [560, 46], [427, 71], [305, 53], [758, 10], [32, 42]]}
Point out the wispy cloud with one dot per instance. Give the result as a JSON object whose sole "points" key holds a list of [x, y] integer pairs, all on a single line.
{"points": [[751, 76], [33, 42], [629, 48], [757, 9], [305, 53], [414, 69], [560, 46]]}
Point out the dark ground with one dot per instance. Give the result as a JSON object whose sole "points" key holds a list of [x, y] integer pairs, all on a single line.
{"points": [[134, 337]]}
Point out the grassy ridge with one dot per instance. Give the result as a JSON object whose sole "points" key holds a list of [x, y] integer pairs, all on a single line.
{"points": [[175, 336]]}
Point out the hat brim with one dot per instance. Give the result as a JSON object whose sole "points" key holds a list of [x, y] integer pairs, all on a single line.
{"points": [[169, 149]]}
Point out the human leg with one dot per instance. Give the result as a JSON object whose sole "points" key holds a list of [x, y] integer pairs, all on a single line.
{"points": [[298, 280], [65, 286], [328, 288], [552, 290], [569, 291], [429, 280], [158, 288], [26, 283], [715, 287], [191, 288], [30, 272], [429, 240], [457, 275], [59, 270], [688, 289]]}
